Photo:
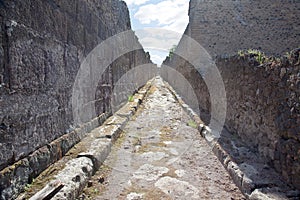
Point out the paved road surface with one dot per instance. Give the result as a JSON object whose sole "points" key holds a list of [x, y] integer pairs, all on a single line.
{"points": [[161, 156]]}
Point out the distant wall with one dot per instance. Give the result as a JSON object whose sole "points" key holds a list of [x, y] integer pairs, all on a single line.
{"points": [[42, 44]]}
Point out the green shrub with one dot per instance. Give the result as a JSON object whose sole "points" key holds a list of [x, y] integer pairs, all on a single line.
{"points": [[172, 50]]}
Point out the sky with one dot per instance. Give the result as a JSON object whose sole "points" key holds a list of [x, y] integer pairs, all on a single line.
{"points": [[159, 24]]}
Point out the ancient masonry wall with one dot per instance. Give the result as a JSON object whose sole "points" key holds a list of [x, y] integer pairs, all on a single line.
{"points": [[263, 102], [42, 44], [224, 26]]}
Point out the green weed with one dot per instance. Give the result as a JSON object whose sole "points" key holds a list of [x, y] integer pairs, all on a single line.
{"points": [[130, 98], [192, 124], [241, 53]]}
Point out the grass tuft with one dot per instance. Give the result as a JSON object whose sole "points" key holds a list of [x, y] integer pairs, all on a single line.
{"points": [[130, 98], [192, 124]]}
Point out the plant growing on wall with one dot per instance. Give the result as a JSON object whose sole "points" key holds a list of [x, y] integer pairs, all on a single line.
{"points": [[172, 50], [259, 56], [241, 53]]}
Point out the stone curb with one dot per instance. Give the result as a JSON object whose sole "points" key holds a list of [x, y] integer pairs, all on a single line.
{"points": [[15, 177], [95, 148], [75, 174], [244, 182]]}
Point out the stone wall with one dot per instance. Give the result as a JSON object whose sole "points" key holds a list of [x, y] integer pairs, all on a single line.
{"points": [[264, 110], [225, 26], [42, 44], [262, 100], [263, 106]]}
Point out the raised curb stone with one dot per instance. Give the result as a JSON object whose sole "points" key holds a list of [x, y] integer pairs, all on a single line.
{"points": [[96, 147], [246, 180], [75, 176]]}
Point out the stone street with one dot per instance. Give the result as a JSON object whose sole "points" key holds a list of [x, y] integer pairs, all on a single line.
{"points": [[161, 155]]}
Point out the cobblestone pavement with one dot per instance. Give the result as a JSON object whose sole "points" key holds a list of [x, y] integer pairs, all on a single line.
{"points": [[161, 156]]}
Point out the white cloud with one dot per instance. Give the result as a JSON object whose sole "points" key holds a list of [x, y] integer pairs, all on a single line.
{"points": [[165, 22], [179, 25], [163, 44], [170, 14], [158, 58], [158, 42], [158, 38], [135, 2]]}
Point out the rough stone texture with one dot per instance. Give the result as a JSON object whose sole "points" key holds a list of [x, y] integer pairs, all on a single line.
{"points": [[226, 26], [262, 108], [94, 147], [166, 184], [160, 157], [75, 176], [266, 195], [248, 170], [262, 101], [42, 44], [30, 167], [98, 145]]}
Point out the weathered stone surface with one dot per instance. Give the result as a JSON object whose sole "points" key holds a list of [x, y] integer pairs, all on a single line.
{"points": [[35, 163], [248, 170], [97, 151], [267, 194], [183, 188], [149, 172], [96, 145], [14, 178], [125, 111], [74, 177], [109, 131], [116, 120], [154, 156], [133, 196], [224, 27], [221, 154], [172, 162], [42, 45], [235, 173], [262, 100], [43, 157], [135, 104]]}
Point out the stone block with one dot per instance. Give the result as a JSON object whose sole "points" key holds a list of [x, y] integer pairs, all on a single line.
{"points": [[98, 151], [235, 173], [74, 177], [125, 111], [267, 194], [107, 131], [14, 178]]}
